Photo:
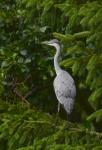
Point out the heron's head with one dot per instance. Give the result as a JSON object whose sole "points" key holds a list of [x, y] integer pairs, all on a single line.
{"points": [[53, 42]]}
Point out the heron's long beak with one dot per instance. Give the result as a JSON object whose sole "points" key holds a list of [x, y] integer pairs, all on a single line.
{"points": [[45, 42]]}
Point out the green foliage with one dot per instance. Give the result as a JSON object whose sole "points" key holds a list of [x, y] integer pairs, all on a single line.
{"points": [[27, 72], [25, 66], [97, 114], [22, 128]]}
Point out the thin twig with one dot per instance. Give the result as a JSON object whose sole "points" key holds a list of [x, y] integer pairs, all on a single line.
{"points": [[34, 89], [20, 96]]}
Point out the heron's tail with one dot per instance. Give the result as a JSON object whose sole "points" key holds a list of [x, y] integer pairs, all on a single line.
{"points": [[68, 105]]}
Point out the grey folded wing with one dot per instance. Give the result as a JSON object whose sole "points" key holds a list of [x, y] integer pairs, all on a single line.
{"points": [[64, 86]]}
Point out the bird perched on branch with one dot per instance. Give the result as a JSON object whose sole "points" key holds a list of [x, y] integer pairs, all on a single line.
{"points": [[64, 84]]}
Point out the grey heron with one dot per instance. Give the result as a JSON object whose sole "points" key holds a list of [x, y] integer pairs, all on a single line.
{"points": [[64, 85]]}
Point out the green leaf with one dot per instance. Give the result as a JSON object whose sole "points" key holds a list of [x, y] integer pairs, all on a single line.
{"points": [[4, 64], [95, 115], [90, 76], [92, 62], [67, 63], [76, 67], [96, 95], [23, 52], [28, 60], [82, 34]]}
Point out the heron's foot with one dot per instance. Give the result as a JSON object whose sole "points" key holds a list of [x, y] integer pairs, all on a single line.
{"points": [[69, 118]]}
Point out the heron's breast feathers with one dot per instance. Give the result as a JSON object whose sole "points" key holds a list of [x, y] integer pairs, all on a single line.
{"points": [[64, 86]]}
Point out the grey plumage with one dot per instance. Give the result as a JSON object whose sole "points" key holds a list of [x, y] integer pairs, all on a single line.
{"points": [[65, 90], [64, 85]]}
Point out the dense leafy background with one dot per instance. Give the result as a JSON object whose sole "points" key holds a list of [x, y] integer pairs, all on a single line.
{"points": [[25, 129], [27, 71]]}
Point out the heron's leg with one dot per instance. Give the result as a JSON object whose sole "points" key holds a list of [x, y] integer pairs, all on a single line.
{"points": [[67, 117], [58, 107], [57, 114]]}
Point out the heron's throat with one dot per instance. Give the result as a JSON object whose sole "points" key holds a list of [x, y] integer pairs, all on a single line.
{"points": [[56, 60]]}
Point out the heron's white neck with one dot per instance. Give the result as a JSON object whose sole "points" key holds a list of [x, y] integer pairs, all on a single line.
{"points": [[56, 59]]}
